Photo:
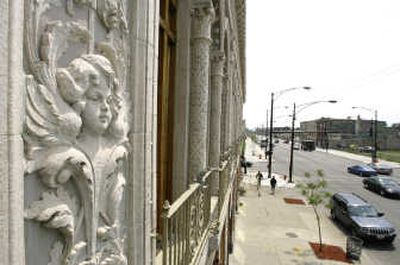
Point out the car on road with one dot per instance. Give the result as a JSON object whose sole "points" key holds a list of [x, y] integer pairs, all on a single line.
{"points": [[363, 219], [385, 186], [264, 143], [362, 170], [382, 169], [365, 149], [308, 145], [245, 163], [296, 146]]}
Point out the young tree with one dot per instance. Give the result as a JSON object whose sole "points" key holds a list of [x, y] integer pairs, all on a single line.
{"points": [[316, 194]]}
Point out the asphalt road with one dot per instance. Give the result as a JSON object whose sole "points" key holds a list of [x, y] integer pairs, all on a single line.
{"points": [[335, 169]]}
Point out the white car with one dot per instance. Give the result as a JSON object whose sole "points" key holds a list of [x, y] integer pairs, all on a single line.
{"points": [[382, 168]]}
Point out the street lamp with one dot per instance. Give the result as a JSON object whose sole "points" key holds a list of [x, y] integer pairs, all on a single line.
{"points": [[374, 126], [302, 107], [271, 121]]}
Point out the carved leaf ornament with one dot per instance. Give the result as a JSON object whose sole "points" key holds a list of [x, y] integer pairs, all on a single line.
{"points": [[75, 129]]}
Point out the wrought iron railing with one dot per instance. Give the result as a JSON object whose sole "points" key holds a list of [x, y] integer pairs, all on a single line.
{"points": [[187, 221]]}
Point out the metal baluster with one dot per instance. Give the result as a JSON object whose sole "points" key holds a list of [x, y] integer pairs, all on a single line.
{"points": [[165, 239], [186, 245], [176, 243], [179, 215], [189, 250]]}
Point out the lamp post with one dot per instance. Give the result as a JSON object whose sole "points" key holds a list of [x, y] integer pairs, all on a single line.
{"points": [[292, 144], [266, 135], [374, 127], [271, 121], [303, 106]]}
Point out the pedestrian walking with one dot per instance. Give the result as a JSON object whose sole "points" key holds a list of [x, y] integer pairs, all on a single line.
{"points": [[273, 185], [243, 163], [259, 177]]}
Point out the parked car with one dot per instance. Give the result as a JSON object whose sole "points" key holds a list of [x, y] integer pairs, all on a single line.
{"points": [[341, 146], [248, 163], [362, 170], [308, 145], [245, 163], [363, 220], [365, 149], [381, 168], [296, 146], [385, 186], [264, 143]]}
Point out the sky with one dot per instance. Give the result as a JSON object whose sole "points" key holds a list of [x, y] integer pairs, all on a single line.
{"points": [[345, 50]]}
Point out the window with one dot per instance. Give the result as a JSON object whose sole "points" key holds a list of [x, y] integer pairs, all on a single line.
{"points": [[165, 98]]}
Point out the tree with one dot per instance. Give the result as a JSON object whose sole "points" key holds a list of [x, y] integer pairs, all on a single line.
{"points": [[316, 194]]}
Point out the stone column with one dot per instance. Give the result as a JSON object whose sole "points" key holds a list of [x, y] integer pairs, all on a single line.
{"points": [[229, 102], [142, 74], [223, 114], [217, 75], [226, 99], [12, 250], [202, 18], [236, 113]]}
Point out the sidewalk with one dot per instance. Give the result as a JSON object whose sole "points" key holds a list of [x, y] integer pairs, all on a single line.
{"points": [[271, 231]]}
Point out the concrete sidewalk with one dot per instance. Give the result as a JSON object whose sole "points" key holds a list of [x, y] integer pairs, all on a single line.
{"points": [[270, 231]]}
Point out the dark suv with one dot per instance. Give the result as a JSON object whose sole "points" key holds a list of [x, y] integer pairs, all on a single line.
{"points": [[361, 217]]}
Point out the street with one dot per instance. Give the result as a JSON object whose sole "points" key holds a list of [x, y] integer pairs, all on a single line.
{"points": [[338, 179]]}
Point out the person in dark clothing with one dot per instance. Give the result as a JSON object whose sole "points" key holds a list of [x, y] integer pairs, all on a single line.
{"points": [[273, 184], [259, 177], [243, 163]]}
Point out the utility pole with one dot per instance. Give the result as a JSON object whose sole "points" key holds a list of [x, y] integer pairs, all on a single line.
{"points": [[270, 136], [373, 132], [374, 152], [302, 107], [326, 136], [292, 145], [266, 136]]}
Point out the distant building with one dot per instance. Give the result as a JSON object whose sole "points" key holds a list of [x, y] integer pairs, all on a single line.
{"points": [[339, 133]]}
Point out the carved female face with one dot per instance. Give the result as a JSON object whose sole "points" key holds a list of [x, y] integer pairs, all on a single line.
{"points": [[97, 115]]}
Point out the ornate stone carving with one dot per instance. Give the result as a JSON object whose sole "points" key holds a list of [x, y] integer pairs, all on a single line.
{"points": [[76, 138], [201, 23], [218, 60], [110, 12]]}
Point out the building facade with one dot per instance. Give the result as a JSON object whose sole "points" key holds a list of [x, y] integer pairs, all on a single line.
{"points": [[121, 129], [341, 133]]}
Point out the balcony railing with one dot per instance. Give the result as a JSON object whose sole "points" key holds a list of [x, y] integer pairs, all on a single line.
{"points": [[187, 221]]}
